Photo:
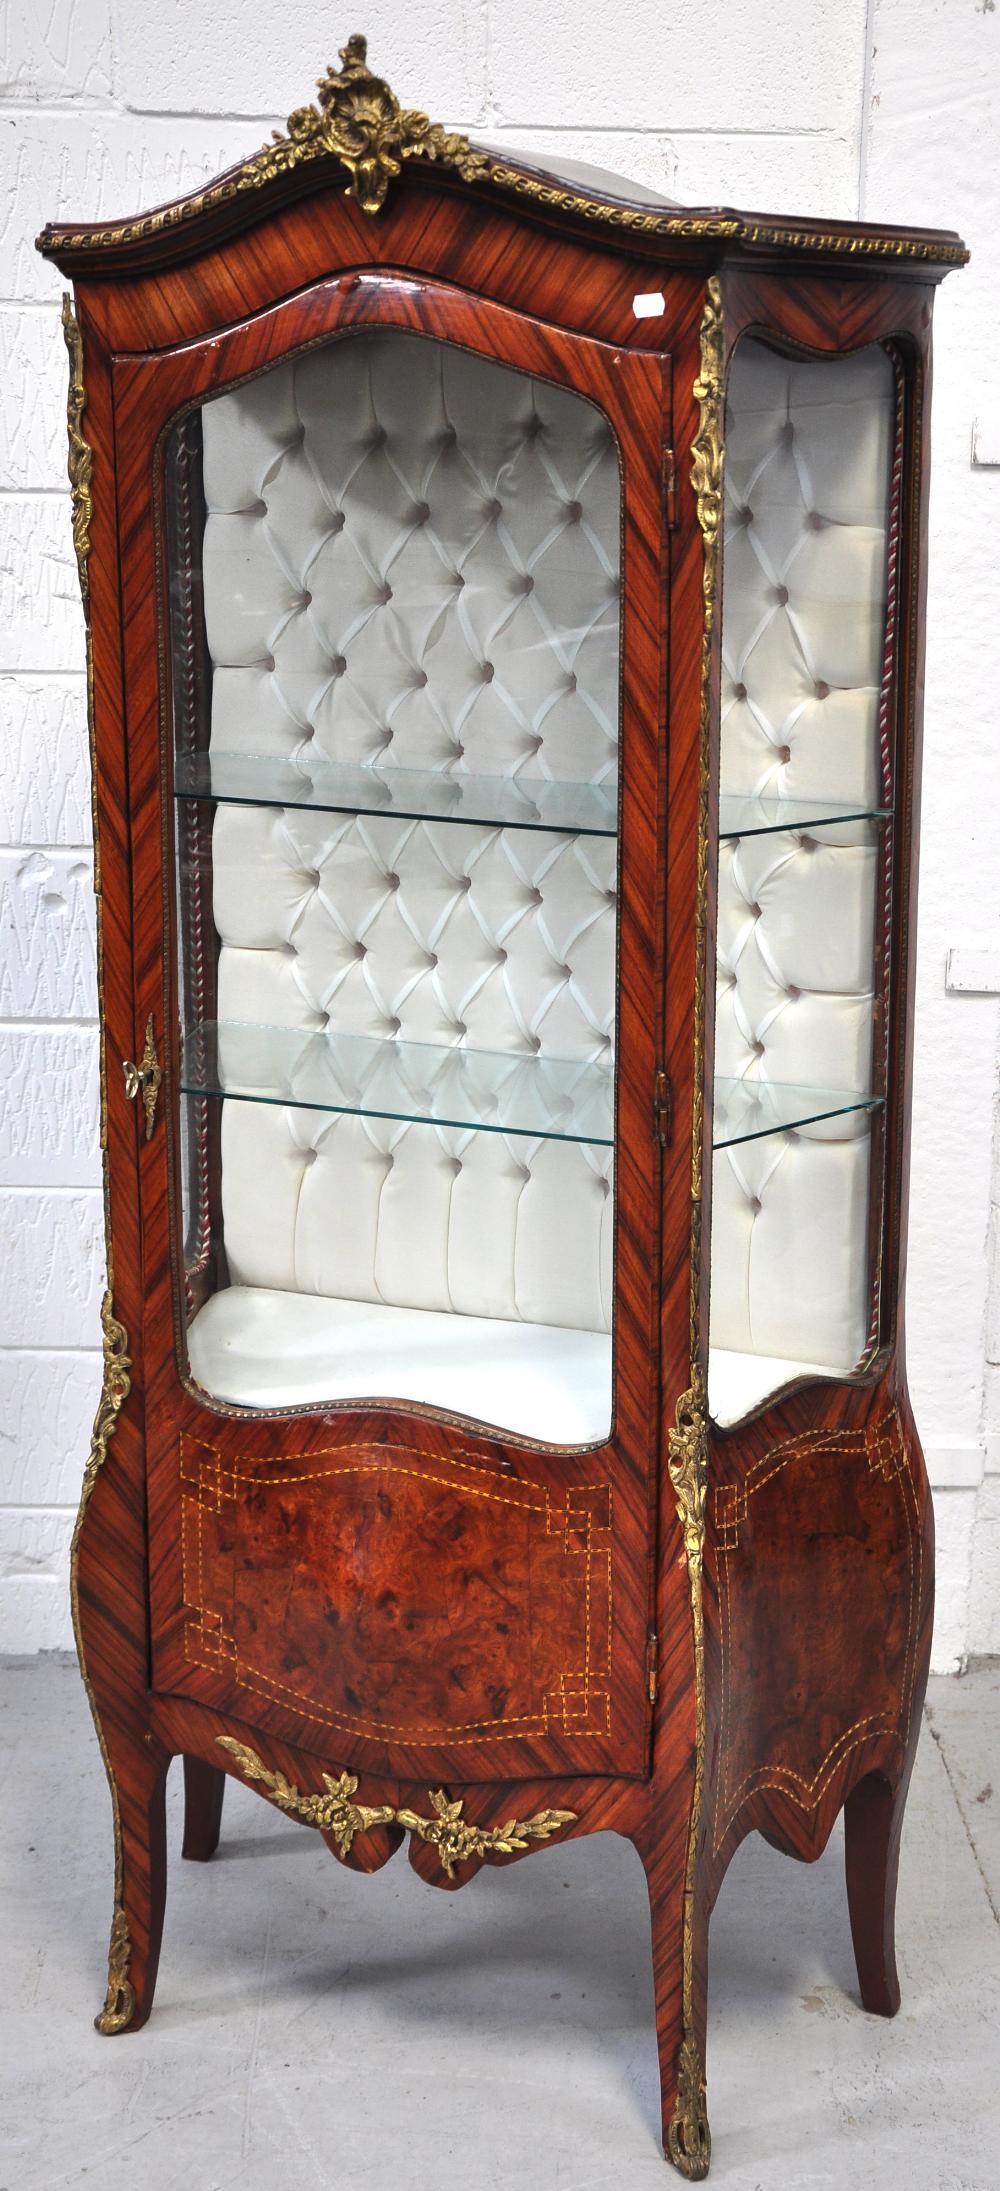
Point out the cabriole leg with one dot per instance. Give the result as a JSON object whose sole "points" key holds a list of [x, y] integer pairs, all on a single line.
{"points": [[680, 1971], [873, 1824], [204, 1788], [138, 1794]]}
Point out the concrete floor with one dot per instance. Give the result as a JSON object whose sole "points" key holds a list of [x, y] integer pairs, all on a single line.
{"points": [[313, 2028]]}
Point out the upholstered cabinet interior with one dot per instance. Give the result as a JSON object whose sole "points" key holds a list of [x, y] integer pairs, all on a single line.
{"points": [[504, 594], [803, 728], [390, 584]]}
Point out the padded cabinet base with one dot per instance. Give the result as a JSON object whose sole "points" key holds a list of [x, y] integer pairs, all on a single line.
{"points": [[739, 1382], [259, 1347]]}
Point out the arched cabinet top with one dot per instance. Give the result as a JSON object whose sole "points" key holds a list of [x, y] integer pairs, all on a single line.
{"points": [[360, 141]]}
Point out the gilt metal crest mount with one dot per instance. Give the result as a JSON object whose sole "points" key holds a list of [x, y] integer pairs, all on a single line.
{"points": [[360, 122]]}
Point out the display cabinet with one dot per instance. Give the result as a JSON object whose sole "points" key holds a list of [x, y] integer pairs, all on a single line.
{"points": [[504, 600]]}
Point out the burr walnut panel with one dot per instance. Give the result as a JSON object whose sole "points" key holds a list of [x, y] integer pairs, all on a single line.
{"points": [[398, 1596]]}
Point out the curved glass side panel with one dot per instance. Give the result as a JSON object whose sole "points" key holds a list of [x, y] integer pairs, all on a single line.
{"points": [[395, 639], [805, 804]]}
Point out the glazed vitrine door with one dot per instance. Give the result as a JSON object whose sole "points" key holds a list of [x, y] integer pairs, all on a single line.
{"points": [[805, 868], [397, 829], [401, 1218]]}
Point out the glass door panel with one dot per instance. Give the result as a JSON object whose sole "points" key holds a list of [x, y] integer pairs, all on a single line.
{"points": [[395, 630], [805, 804]]}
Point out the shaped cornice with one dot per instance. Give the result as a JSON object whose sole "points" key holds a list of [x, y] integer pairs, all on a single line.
{"points": [[360, 127]]}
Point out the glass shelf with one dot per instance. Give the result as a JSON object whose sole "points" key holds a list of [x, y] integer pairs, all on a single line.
{"points": [[758, 814], [746, 1110], [555, 1099], [525, 802]]}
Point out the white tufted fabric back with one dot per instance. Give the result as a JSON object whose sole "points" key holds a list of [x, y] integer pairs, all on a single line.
{"points": [[808, 462], [411, 561]]}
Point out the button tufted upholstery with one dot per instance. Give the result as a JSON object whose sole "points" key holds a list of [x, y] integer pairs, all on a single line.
{"points": [[808, 452], [411, 555], [388, 928], [411, 562]]}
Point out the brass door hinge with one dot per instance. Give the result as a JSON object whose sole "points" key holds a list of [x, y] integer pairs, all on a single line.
{"points": [[663, 1109], [669, 491], [651, 1665], [145, 1078]]}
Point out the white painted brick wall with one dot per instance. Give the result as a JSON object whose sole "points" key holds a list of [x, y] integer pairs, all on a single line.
{"points": [[930, 154], [878, 107], [34, 380], [45, 771]]}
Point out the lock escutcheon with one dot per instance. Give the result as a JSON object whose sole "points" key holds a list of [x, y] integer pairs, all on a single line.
{"points": [[145, 1079]]}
